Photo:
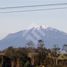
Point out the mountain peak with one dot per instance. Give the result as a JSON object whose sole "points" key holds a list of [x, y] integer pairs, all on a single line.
{"points": [[40, 27]]}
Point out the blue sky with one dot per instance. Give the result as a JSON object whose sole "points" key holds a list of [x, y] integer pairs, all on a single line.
{"points": [[13, 22]]}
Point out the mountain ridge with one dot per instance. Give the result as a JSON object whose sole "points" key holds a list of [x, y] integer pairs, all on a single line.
{"points": [[49, 35]]}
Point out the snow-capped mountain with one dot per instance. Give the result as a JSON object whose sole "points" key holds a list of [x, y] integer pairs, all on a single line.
{"points": [[49, 35]]}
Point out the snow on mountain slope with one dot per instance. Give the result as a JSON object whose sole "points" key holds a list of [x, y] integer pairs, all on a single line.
{"points": [[49, 35]]}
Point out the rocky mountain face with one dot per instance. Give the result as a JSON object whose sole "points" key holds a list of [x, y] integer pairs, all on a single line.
{"points": [[49, 35]]}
